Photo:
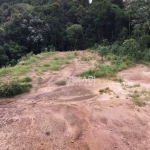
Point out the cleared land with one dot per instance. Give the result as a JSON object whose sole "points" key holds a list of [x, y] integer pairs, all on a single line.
{"points": [[63, 112]]}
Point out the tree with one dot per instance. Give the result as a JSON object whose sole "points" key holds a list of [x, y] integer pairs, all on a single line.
{"points": [[138, 13], [74, 34], [2, 35], [3, 57], [36, 31]]}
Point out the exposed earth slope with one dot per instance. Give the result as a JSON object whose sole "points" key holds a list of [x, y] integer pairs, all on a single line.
{"points": [[75, 115]]}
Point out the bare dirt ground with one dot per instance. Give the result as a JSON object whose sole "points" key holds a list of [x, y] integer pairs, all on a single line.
{"points": [[76, 116]]}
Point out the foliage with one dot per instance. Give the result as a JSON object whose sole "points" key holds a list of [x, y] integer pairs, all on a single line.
{"points": [[35, 26], [103, 50], [118, 63], [13, 88], [74, 34]]}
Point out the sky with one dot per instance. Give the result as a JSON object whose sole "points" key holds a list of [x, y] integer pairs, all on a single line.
{"points": [[90, 1]]}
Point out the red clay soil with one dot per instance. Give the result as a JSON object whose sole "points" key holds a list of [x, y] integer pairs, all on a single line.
{"points": [[77, 117], [88, 125]]}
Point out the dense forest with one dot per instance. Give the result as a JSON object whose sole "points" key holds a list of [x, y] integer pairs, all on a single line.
{"points": [[39, 25]]}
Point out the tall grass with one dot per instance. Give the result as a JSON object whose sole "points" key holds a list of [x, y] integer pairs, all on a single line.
{"points": [[118, 63]]}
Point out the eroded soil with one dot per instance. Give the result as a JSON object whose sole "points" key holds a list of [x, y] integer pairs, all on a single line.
{"points": [[76, 116]]}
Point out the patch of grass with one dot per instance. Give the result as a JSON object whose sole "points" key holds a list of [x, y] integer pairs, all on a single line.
{"points": [[106, 90], [75, 53], [140, 97], [135, 95], [84, 58], [70, 57], [40, 80], [25, 79], [136, 85], [13, 88], [53, 65], [46, 65], [14, 71], [56, 58], [60, 83], [131, 86], [87, 73], [139, 103], [118, 79], [45, 54], [118, 63], [100, 71], [24, 65]]}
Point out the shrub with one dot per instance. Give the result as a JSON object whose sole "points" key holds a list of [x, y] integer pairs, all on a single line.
{"points": [[103, 50], [131, 48], [61, 82], [147, 55], [13, 88]]}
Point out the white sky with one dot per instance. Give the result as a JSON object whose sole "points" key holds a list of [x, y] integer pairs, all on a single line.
{"points": [[90, 1]]}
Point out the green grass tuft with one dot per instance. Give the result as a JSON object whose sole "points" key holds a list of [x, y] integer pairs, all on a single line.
{"points": [[25, 79], [60, 83]]}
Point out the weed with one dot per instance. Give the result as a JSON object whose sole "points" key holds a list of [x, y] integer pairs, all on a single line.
{"points": [[118, 79], [75, 53], [40, 80], [84, 58], [61, 82], [106, 90], [139, 102], [134, 95], [136, 85]]}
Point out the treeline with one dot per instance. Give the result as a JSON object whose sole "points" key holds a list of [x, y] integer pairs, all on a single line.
{"points": [[38, 25]]}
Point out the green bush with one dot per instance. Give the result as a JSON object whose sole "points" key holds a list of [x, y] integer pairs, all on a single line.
{"points": [[103, 50], [131, 48], [13, 88], [147, 55]]}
